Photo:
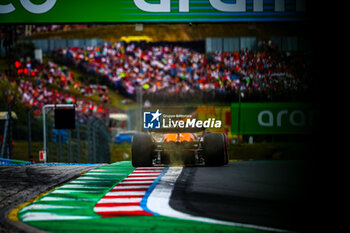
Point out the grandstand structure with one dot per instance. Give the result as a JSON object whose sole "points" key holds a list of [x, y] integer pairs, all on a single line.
{"points": [[287, 36]]}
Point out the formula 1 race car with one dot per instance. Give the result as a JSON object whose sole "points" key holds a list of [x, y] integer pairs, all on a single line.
{"points": [[179, 146]]}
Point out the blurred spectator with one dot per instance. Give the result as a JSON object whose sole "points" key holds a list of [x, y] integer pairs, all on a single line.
{"points": [[37, 88], [168, 71]]}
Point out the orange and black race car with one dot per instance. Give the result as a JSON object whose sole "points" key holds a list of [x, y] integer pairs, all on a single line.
{"points": [[179, 146]]}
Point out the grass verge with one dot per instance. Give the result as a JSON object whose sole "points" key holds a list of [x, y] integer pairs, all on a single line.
{"points": [[20, 150], [120, 152]]}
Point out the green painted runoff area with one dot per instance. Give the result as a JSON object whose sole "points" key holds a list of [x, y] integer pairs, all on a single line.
{"points": [[70, 208]]}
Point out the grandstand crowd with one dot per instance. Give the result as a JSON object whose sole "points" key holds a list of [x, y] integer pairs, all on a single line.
{"points": [[41, 84], [163, 72], [173, 71]]}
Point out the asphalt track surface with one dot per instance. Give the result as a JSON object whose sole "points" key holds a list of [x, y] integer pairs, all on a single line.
{"points": [[20, 183], [264, 193]]}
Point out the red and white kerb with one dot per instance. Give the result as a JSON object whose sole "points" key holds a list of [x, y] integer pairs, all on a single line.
{"points": [[125, 198]]}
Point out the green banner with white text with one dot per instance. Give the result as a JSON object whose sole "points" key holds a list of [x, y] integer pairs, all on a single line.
{"points": [[80, 11], [271, 118]]}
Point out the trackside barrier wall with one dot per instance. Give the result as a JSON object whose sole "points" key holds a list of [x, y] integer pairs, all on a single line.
{"points": [[47, 45], [231, 44], [6, 162], [211, 44]]}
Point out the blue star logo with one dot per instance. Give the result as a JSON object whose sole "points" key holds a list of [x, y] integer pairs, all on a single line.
{"points": [[151, 120]]}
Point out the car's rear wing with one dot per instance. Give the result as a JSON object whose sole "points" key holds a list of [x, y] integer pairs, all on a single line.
{"points": [[176, 130]]}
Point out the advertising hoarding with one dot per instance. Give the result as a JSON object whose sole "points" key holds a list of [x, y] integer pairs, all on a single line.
{"points": [[271, 118], [168, 11]]}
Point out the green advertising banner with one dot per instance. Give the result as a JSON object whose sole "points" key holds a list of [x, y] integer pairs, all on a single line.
{"points": [[271, 118], [79, 11]]}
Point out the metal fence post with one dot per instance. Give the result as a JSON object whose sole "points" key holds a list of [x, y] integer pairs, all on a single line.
{"points": [[44, 133], [48, 150], [4, 142], [7, 137], [78, 139], [94, 137], [140, 103], [30, 156], [101, 142], [105, 138], [90, 139], [107, 158], [59, 145], [70, 146]]}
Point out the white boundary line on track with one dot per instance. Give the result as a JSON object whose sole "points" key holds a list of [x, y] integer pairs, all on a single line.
{"points": [[39, 216], [159, 199]]}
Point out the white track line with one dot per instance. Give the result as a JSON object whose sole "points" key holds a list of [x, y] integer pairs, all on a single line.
{"points": [[83, 177], [39, 216], [84, 182], [131, 187], [79, 186], [119, 208], [48, 206], [126, 193], [75, 191], [119, 200], [140, 178], [144, 174], [158, 202], [66, 199], [137, 182], [103, 174], [147, 171]]}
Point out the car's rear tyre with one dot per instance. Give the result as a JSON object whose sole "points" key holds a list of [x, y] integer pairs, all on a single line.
{"points": [[215, 150], [141, 150]]}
